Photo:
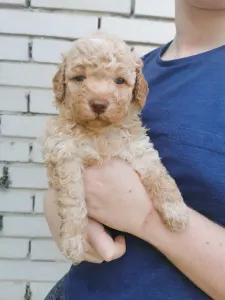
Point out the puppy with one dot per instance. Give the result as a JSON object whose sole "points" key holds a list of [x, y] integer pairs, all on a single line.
{"points": [[99, 91]]}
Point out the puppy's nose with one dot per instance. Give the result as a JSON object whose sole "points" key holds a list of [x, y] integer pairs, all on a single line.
{"points": [[99, 106]]}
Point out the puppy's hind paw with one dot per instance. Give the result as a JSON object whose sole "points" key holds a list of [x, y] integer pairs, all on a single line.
{"points": [[175, 216]]}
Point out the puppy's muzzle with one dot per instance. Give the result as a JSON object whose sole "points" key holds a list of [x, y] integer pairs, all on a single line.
{"points": [[99, 106]]}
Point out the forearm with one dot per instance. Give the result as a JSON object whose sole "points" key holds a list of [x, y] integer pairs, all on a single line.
{"points": [[51, 215], [199, 252]]}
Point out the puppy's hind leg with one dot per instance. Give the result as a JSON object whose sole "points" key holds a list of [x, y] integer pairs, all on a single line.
{"points": [[163, 191], [73, 212]]}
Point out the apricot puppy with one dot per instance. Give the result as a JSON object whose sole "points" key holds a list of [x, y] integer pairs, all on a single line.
{"points": [[99, 91]]}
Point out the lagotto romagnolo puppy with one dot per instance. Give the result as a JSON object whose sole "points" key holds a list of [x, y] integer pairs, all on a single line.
{"points": [[99, 91]]}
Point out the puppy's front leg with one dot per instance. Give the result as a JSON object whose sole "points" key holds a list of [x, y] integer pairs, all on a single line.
{"points": [[163, 190], [72, 210]]}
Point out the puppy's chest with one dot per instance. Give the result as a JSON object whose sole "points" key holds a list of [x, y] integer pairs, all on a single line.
{"points": [[105, 146], [117, 144]]}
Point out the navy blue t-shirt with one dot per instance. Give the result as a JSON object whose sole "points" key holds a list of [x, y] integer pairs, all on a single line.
{"points": [[185, 111]]}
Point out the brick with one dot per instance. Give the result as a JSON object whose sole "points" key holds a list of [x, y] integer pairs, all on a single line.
{"points": [[22, 126], [115, 6], [25, 226], [50, 252], [30, 75], [28, 177], [14, 48], [13, 99], [49, 50], [16, 201], [36, 154], [41, 101], [14, 2], [14, 248], [14, 151], [155, 32], [142, 50], [12, 290], [32, 271], [41, 24], [40, 289], [155, 8], [38, 204]]}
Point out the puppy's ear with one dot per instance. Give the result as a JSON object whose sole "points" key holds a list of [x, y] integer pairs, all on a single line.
{"points": [[140, 91], [59, 83]]}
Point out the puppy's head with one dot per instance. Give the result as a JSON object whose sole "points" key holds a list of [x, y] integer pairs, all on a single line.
{"points": [[99, 81]]}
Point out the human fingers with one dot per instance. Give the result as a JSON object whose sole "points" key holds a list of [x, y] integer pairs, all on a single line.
{"points": [[104, 244]]}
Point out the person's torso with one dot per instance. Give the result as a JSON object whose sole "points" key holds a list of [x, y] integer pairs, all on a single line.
{"points": [[185, 112]]}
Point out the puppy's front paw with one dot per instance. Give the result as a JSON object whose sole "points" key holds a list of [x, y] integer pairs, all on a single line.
{"points": [[74, 248], [175, 215]]}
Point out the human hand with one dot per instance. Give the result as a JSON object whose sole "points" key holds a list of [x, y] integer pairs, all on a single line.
{"points": [[102, 246], [116, 197]]}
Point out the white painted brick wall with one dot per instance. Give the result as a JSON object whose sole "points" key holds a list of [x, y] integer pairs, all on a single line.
{"points": [[25, 226], [14, 248], [27, 74], [40, 289], [16, 201], [51, 251], [156, 32], [33, 34], [14, 151], [32, 177], [22, 126], [13, 99], [12, 290], [41, 102], [13, 2], [115, 6], [46, 24], [7, 49], [155, 8], [53, 50], [36, 154], [38, 206]]}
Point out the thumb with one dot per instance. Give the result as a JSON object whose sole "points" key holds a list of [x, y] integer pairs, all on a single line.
{"points": [[103, 243]]}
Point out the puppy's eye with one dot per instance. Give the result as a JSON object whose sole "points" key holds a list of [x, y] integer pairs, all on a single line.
{"points": [[80, 78], [120, 81]]}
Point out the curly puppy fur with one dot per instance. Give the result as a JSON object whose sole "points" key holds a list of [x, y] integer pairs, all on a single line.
{"points": [[99, 91]]}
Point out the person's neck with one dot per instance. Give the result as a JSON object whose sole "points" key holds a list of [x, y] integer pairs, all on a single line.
{"points": [[197, 31]]}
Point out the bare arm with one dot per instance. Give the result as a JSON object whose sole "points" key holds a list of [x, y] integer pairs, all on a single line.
{"points": [[199, 252]]}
